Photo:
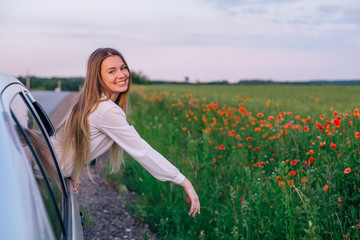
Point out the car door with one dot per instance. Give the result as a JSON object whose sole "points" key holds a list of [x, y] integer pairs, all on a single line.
{"points": [[33, 128]]}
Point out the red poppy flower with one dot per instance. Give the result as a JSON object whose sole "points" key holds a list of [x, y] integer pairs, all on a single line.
{"points": [[293, 162], [326, 187], [257, 130], [249, 139], [337, 122], [271, 118], [282, 183], [240, 145], [347, 170], [256, 149], [357, 135], [332, 145], [278, 178], [303, 180], [241, 199], [231, 133], [310, 152], [339, 200], [222, 146], [292, 173], [311, 159]]}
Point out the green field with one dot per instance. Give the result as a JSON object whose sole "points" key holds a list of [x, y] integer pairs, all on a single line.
{"points": [[268, 162]]}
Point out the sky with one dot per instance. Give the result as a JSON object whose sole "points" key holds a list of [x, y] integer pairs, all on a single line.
{"points": [[204, 40]]}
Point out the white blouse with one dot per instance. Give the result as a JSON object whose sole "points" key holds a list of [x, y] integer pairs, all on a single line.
{"points": [[108, 124]]}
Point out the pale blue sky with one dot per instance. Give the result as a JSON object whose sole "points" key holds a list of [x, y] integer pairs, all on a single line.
{"points": [[204, 39]]}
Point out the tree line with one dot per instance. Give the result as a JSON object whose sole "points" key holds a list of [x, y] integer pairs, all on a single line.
{"points": [[71, 83]]}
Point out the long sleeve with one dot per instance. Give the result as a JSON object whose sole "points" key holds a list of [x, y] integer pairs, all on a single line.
{"points": [[112, 122]]}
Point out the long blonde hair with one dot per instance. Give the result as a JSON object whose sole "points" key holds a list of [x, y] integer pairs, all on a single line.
{"points": [[75, 136]]}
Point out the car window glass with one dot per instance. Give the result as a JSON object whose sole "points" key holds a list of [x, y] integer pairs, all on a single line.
{"points": [[37, 140]]}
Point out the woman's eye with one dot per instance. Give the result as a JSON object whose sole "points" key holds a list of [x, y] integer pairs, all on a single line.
{"points": [[112, 71], [123, 68]]}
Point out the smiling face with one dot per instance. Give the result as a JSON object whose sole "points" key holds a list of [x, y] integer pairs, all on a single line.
{"points": [[115, 75]]}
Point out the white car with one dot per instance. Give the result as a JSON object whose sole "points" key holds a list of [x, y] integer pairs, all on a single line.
{"points": [[36, 201]]}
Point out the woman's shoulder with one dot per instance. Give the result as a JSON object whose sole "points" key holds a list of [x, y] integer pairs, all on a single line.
{"points": [[108, 107]]}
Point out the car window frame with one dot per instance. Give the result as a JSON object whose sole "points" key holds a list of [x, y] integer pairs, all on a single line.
{"points": [[64, 217]]}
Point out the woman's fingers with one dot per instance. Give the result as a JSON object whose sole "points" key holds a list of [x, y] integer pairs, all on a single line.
{"points": [[76, 184], [192, 197]]}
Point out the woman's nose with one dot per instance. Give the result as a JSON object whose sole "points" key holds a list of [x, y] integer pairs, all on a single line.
{"points": [[121, 74]]}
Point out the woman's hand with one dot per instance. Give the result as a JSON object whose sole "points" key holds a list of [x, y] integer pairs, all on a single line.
{"points": [[192, 197], [76, 184]]}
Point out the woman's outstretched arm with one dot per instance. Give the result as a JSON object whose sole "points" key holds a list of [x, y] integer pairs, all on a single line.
{"points": [[192, 197]]}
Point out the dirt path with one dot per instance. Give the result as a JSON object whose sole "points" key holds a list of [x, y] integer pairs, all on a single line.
{"points": [[103, 205]]}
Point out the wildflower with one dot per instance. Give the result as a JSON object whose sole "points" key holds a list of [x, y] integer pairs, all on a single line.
{"points": [[260, 115], [244, 98], [346, 115], [332, 145], [356, 113], [337, 122], [326, 187], [322, 144], [292, 173], [310, 152], [257, 130], [316, 99], [311, 159], [322, 116], [303, 180], [347, 170], [231, 133], [240, 145], [241, 199], [271, 118], [214, 160], [357, 135], [359, 225], [335, 113], [282, 183], [291, 182], [278, 178], [293, 162], [350, 123], [265, 135], [339, 155], [256, 149], [312, 170], [237, 136], [305, 163], [222, 146], [339, 200], [249, 139]]}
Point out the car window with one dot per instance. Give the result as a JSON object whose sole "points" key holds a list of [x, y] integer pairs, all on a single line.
{"points": [[42, 163]]}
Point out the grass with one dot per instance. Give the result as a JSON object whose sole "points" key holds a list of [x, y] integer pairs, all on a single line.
{"points": [[268, 162]]}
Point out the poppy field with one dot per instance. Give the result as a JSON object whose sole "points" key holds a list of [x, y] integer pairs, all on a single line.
{"points": [[267, 161]]}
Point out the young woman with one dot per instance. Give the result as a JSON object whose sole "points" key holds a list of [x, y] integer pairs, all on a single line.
{"points": [[97, 123]]}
